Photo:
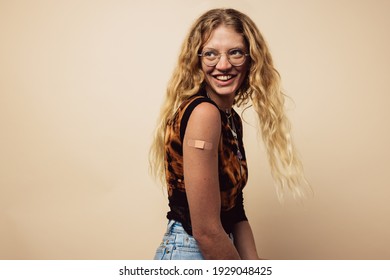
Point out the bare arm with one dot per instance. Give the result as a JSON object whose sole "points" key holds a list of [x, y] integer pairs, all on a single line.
{"points": [[202, 185], [244, 241]]}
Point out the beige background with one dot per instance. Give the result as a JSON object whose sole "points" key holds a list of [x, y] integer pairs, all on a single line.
{"points": [[81, 83]]}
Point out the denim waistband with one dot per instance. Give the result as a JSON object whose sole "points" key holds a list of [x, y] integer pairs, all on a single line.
{"points": [[176, 234], [175, 227]]}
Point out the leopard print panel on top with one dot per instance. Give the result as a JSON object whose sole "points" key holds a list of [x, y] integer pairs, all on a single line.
{"points": [[233, 173]]}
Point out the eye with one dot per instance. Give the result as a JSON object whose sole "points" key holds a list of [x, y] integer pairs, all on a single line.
{"points": [[236, 53], [210, 54]]}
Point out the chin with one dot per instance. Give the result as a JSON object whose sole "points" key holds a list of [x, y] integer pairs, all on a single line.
{"points": [[225, 91]]}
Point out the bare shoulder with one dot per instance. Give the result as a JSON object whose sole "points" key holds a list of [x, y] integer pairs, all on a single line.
{"points": [[207, 113], [204, 122]]}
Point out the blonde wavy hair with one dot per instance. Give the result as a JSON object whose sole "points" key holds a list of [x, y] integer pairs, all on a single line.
{"points": [[262, 87]]}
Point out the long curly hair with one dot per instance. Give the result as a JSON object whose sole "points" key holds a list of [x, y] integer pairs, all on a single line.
{"points": [[261, 87]]}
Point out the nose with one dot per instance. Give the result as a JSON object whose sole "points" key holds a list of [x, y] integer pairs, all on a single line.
{"points": [[223, 63]]}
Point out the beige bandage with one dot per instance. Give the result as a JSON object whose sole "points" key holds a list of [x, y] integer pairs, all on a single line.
{"points": [[200, 144]]}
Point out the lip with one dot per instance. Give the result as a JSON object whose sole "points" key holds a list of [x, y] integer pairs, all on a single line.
{"points": [[227, 79]]}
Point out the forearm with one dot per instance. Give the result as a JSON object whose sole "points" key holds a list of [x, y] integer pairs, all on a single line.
{"points": [[244, 241]]}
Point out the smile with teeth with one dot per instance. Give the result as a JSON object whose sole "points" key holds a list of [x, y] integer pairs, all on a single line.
{"points": [[223, 77]]}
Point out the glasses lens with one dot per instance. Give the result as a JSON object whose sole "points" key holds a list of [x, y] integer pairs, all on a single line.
{"points": [[210, 58], [235, 57]]}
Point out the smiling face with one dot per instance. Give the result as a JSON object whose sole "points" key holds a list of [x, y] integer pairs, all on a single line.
{"points": [[224, 79]]}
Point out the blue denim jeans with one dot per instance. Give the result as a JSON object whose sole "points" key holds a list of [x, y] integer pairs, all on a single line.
{"points": [[177, 244]]}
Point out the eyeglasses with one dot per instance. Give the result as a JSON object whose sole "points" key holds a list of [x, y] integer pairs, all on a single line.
{"points": [[236, 57]]}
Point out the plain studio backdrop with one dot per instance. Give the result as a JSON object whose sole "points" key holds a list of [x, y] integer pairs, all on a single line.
{"points": [[81, 84]]}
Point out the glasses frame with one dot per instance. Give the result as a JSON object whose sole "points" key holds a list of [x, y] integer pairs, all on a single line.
{"points": [[219, 58]]}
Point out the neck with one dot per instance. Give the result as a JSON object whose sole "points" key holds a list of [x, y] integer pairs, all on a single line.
{"points": [[224, 103]]}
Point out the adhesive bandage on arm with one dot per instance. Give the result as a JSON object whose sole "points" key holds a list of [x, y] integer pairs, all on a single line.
{"points": [[200, 144]]}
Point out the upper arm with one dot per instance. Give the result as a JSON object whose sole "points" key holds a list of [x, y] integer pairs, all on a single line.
{"points": [[201, 168]]}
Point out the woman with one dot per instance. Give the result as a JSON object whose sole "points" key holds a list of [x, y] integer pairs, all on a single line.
{"points": [[198, 147]]}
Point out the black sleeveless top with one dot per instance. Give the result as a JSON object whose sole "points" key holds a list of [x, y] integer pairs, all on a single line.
{"points": [[233, 171]]}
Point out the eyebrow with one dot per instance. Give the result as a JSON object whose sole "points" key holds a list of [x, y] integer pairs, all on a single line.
{"points": [[211, 48]]}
